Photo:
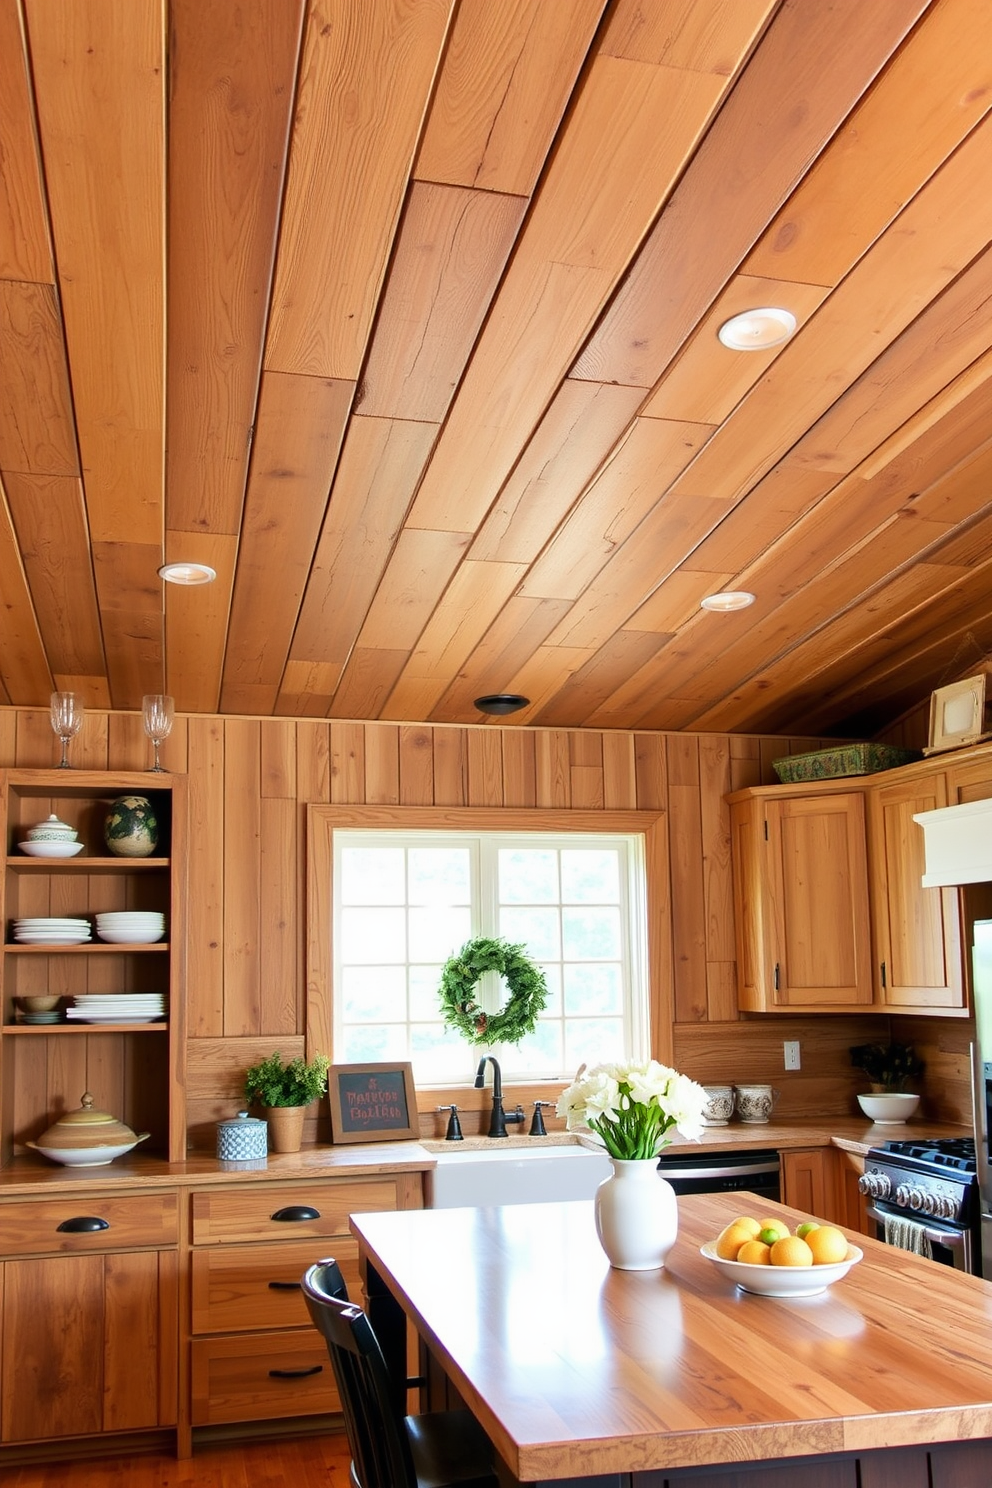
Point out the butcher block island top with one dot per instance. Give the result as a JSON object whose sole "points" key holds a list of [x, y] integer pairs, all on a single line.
{"points": [[576, 1370]]}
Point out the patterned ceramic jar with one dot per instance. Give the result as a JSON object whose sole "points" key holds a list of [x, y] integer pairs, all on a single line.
{"points": [[131, 827], [755, 1103], [243, 1140], [719, 1105]]}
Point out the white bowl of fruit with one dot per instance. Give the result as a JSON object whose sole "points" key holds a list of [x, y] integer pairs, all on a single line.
{"points": [[765, 1256]]}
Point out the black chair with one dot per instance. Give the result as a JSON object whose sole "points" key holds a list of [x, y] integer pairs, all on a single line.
{"points": [[442, 1449]]}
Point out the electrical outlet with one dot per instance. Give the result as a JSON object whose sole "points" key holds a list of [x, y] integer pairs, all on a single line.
{"points": [[791, 1048]]}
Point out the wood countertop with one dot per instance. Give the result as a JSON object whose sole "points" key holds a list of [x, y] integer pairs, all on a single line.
{"points": [[575, 1369], [36, 1175]]}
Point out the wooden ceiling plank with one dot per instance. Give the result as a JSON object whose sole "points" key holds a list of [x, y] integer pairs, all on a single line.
{"points": [[587, 220], [378, 472], [520, 626], [622, 495], [25, 250], [364, 86], [815, 61], [196, 620], [132, 640], [301, 423], [23, 664], [676, 601], [543, 675], [940, 232], [674, 527], [584, 420], [99, 74], [369, 678], [37, 434], [307, 688], [50, 522], [450, 251], [505, 64], [476, 595], [417, 574], [710, 37], [585, 689], [232, 85], [937, 86], [707, 380]]}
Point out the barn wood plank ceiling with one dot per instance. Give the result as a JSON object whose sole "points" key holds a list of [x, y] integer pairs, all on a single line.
{"points": [[402, 315]]}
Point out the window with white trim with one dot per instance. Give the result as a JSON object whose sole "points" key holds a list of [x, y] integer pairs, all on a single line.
{"points": [[404, 901]]}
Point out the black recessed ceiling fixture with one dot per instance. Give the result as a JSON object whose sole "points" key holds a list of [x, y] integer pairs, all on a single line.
{"points": [[501, 702]]}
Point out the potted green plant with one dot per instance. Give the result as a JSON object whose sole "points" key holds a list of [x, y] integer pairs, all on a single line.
{"points": [[284, 1089], [889, 1067]]}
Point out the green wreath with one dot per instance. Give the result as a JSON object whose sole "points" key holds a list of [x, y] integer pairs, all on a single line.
{"points": [[528, 992]]}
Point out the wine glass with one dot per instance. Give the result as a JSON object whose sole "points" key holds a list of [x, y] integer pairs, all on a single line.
{"points": [[157, 713], [66, 714]]}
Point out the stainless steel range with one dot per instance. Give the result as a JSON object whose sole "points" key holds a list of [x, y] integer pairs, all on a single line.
{"points": [[924, 1197]]}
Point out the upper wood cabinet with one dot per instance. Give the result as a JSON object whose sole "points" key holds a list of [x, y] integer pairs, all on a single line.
{"points": [[919, 963], [801, 899]]}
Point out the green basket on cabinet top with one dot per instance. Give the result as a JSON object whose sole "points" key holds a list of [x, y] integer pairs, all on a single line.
{"points": [[845, 759]]}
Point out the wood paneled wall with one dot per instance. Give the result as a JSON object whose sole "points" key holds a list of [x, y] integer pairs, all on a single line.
{"points": [[251, 780]]}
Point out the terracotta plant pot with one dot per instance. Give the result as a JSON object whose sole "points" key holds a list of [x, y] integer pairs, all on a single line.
{"points": [[285, 1127]]}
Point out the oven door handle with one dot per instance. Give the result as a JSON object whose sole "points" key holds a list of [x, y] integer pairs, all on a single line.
{"points": [[953, 1239], [728, 1170]]}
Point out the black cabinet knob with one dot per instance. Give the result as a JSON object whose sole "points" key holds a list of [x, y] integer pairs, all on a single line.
{"points": [[296, 1214], [83, 1224]]}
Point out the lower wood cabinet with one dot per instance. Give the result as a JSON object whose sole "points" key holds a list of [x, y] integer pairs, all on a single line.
{"points": [[255, 1355], [807, 1175], [90, 1334]]}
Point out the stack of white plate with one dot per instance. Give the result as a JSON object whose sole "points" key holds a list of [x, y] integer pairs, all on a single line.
{"points": [[50, 930], [118, 1007], [131, 926]]}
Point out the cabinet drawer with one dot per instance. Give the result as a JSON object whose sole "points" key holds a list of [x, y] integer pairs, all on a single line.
{"points": [[256, 1377], [32, 1226], [246, 1287], [229, 1218]]}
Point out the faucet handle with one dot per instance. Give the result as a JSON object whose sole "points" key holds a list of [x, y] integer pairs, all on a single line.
{"points": [[454, 1131], [537, 1127]]}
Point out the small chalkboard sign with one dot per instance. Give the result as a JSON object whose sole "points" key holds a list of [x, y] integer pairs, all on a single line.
{"points": [[372, 1102]]}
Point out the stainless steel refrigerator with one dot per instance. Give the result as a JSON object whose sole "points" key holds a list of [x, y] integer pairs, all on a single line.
{"points": [[982, 1078]]}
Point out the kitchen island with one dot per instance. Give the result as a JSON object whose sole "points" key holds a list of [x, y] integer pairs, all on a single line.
{"points": [[585, 1375]]}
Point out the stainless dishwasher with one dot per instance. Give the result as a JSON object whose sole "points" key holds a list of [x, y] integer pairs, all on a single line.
{"points": [[695, 1172]]}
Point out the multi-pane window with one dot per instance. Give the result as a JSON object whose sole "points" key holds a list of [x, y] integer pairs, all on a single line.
{"points": [[405, 902]]}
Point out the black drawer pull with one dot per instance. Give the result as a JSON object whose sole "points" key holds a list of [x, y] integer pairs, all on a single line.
{"points": [[296, 1213], [83, 1224], [285, 1286], [295, 1373]]}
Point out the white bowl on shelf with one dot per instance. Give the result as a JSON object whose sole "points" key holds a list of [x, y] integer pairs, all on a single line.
{"points": [[86, 1157], [888, 1109], [51, 849], [781, 1281], [130, 934]]}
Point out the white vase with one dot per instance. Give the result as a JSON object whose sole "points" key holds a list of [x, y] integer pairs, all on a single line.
{"points": [[637, 1215]]}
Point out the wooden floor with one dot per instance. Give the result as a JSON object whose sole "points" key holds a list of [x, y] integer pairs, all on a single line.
{"points": [[312, 1462]]}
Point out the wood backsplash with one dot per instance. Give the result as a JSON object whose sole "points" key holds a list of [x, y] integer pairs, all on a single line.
{"points": [[251, 780]]}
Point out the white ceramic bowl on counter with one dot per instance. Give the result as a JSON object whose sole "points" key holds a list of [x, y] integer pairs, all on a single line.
{"points": [[888, 1109]]}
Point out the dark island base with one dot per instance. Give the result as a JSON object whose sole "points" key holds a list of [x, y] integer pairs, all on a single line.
{"points": [[943, 1465]]}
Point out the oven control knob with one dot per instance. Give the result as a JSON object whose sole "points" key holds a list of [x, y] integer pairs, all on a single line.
{"points": [[945, 1207], [877, 1185], [929, 1202], [908, 1197]]}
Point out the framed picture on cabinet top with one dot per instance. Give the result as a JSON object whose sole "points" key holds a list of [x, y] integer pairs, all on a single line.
{"points": [[372, 1102], [957, 714]]}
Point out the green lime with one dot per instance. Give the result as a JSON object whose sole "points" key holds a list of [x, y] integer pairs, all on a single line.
{"points": [[771, 1233], [803, 1230]]}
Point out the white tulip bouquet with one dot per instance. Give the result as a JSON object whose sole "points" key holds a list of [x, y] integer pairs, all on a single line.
{"points": [[634, 1110]]}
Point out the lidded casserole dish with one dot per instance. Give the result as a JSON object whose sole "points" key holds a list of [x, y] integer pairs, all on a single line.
{"points": [[86, 1138]]}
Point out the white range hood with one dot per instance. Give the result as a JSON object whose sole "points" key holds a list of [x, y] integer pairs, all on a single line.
{"points": [[958, 844]]}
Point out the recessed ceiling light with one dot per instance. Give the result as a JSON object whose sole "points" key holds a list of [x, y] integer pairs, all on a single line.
{"points": [[730, 599], [501, 702], [187, 573], [757, 330]]}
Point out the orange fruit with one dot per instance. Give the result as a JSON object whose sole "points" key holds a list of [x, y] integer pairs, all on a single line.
{"points": [[791, 1251], [751, 1225], [730, 1240], [828, 1245], [755, 1253]]}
